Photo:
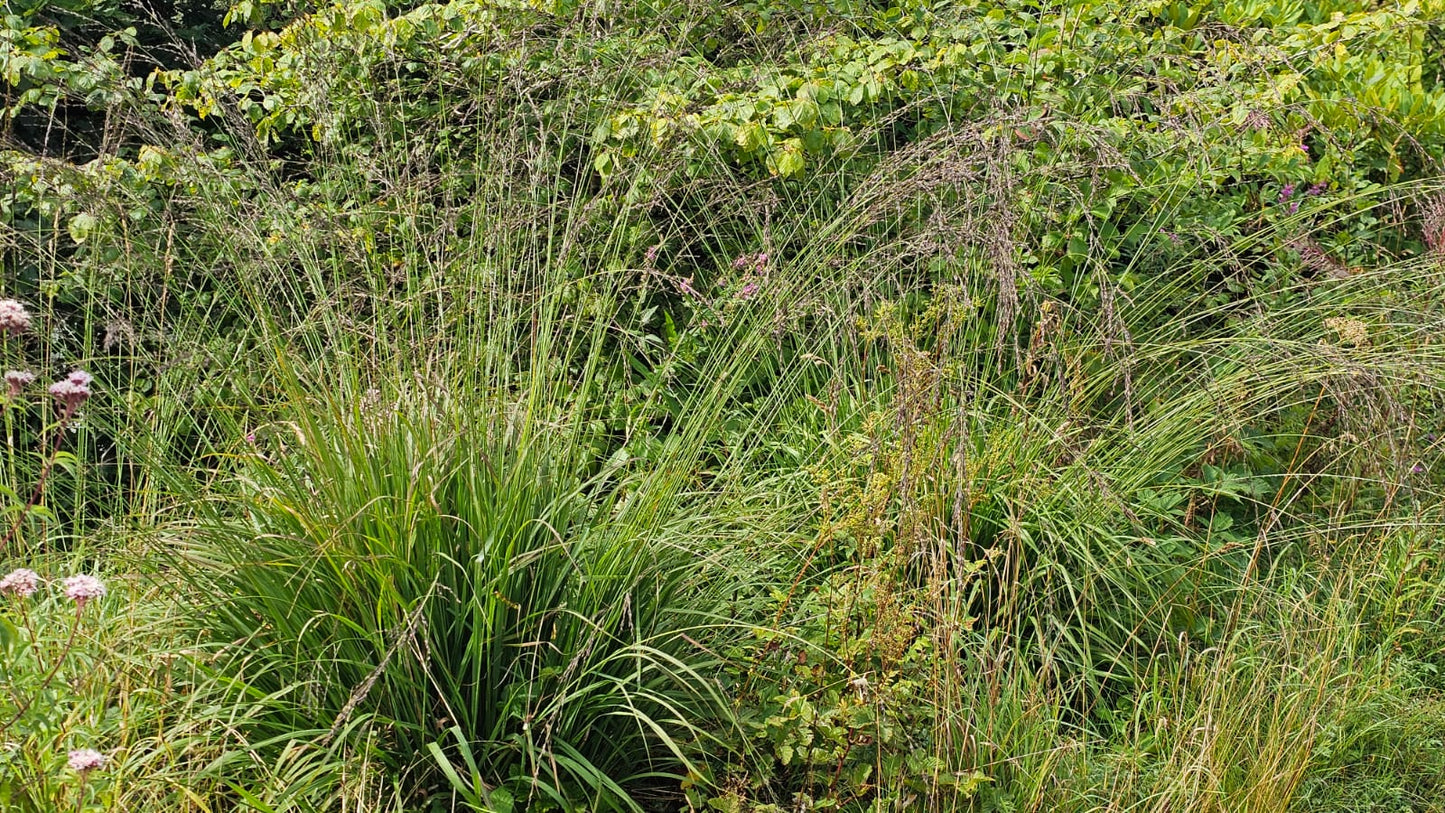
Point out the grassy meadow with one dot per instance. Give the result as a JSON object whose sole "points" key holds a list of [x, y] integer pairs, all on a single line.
{"points": [[753, 406]]}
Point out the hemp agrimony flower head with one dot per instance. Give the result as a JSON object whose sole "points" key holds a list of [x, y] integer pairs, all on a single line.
{"points": [[14, 319], [72, 391], [83, 588], [85, 760], [21, 582], [18, 380]]}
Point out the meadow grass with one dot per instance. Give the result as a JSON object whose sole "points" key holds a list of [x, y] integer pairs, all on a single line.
{"points": [[424, 479]]}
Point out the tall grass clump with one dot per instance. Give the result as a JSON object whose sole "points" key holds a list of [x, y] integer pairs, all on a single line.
{"points": [[442, 573]]}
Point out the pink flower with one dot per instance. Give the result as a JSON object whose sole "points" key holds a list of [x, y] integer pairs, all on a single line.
{"points": [[21, 582], [747, 291], [72, 391], [18, 380], [83, 588], [14, 319], [85, 760]]}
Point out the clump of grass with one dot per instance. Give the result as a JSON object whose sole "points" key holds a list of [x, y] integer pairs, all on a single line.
{"points": [[438, 569]]}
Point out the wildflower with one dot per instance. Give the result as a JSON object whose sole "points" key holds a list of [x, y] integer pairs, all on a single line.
{"points": [[83, 588], [18, 380], [1256, 120], [651, 256], [1417, 469], [14, 319], [72, 391], [1350, 331], [1318, 189], [21, 582], [85, 760], [1286, 192], [747, 291], [685, 286]]}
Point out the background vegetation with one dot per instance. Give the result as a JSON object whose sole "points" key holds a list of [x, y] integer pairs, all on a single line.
{"points": [[767, 405]]}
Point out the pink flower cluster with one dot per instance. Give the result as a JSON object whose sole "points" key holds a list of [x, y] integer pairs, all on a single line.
{"points": [[72, 391], [14, 319], [756, 263], [23, 583], [83, 588], [18, 380], [85, 760]]}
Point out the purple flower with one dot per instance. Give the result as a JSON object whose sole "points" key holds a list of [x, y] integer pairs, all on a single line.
{"points": [[747, 291], [1417, 469], [1286, 192], [21, 582], [651, 256], [684, 286], [83, 588], [1293, 206], [1318, 189], [14, 319], [85, 760]]}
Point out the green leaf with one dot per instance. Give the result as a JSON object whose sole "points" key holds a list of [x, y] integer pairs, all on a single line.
{"points": [[81, 226]]}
